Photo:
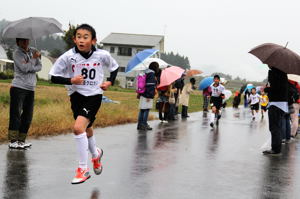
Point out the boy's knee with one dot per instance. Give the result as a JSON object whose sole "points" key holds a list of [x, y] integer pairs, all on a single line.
{"points": [[78, 129]]}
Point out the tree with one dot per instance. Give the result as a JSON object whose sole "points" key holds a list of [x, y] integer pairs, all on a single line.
{"points": [[55, 53], [9, 54], [50, 43], [68, 37], [176, 60], [237, 78]]}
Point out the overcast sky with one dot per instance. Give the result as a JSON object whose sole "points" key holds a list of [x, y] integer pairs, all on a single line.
{"points": [[216, 35]]}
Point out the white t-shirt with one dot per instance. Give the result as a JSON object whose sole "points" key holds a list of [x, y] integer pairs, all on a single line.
{"points": [[71, 64], [254, 99], [217, 91]]}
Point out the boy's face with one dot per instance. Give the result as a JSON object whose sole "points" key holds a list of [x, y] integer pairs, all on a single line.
{"points": [[263, 92], [253, 91], [217, 80], [83, 40]]}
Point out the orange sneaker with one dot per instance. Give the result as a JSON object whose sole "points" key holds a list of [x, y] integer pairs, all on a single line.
{"points": [[97, 162], [81, 176]]}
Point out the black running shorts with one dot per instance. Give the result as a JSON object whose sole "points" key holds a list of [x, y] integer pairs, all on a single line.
{"points": [[264, 108], [86, 106], [216, 101], [254, 106]]}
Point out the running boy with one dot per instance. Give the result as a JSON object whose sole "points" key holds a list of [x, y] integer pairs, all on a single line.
{"points": [[81, 70], [254, 102], [216, 100], [264, 100]]}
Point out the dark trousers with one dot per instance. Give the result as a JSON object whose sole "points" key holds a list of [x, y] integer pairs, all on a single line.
{"points": [[286, 127], [143, 117], [21, 109], [171, 115], [276, 117], [184, 111]]}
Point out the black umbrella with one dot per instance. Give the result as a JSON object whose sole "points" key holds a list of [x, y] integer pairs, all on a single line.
{"points": [[279, 57]]}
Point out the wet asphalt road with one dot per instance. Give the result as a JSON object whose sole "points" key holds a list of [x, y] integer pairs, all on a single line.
{"points": [[183, 159]]}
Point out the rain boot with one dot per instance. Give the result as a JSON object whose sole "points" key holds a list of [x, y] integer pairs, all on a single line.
{"points": [[184, 111]]}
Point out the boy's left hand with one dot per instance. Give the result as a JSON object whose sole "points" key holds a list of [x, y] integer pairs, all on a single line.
{"points": [[105, 85]]}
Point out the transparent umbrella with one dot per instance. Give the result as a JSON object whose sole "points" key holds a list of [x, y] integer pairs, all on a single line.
{"points": [[32, 28]]}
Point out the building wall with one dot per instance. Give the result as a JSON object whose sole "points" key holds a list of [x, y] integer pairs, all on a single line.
{"points": [[2, 64], [46, 66]]}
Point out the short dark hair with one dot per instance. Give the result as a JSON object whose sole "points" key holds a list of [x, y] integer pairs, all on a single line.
{"points": [[253, 89], [192, 80], [86, 27], [154, 66], [217, 76], [20, 39]]}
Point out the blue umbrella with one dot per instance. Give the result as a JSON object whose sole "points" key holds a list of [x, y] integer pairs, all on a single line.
{"points": [[206, 82], [139, 58], [249, 87]]}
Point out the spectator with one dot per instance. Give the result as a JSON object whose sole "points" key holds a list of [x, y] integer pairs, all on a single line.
{"points": [[278, 106], [27, 63]]}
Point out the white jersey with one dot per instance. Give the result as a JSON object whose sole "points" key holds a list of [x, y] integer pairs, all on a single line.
{"points": [[254, 99], [217, 91], [71, 64]]}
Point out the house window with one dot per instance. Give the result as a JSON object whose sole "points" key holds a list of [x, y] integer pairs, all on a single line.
{"points": [[112, 50], [125, 51], [139, 50], [122, 69]]}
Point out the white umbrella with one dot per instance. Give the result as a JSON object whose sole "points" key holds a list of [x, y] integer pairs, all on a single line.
{"points": [[227, 94], [293, 77], [145, 64], [32, 28], [223, 81]]}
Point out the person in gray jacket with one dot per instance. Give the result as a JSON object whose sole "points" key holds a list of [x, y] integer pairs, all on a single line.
{"points": [[26, 63]]}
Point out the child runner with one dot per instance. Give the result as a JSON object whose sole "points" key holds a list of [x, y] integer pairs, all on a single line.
{"points": [[254, 102], [81, 69], [264, 103], [216, 100]]}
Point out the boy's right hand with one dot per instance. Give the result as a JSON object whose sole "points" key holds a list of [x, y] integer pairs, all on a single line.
{"points": [[36, 55], [77, 80]]}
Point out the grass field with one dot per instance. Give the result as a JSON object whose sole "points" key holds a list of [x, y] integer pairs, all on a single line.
{"points": [[52, 112]]}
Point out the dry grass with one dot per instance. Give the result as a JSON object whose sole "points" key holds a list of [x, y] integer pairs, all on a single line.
{"points": [[53, 115], [52, 112]]}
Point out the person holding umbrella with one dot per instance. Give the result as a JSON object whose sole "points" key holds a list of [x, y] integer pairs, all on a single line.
{"points": [[281, 61], [185, 97], [278, 107], [26, 63]]}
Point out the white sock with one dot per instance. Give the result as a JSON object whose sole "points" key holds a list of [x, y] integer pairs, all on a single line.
{"points": [[212, 117], [82, 148], [92, 146]]}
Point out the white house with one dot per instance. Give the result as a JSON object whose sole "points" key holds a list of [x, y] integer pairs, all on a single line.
{"points": [[3, 59], [47, 63], [124, 46]]}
